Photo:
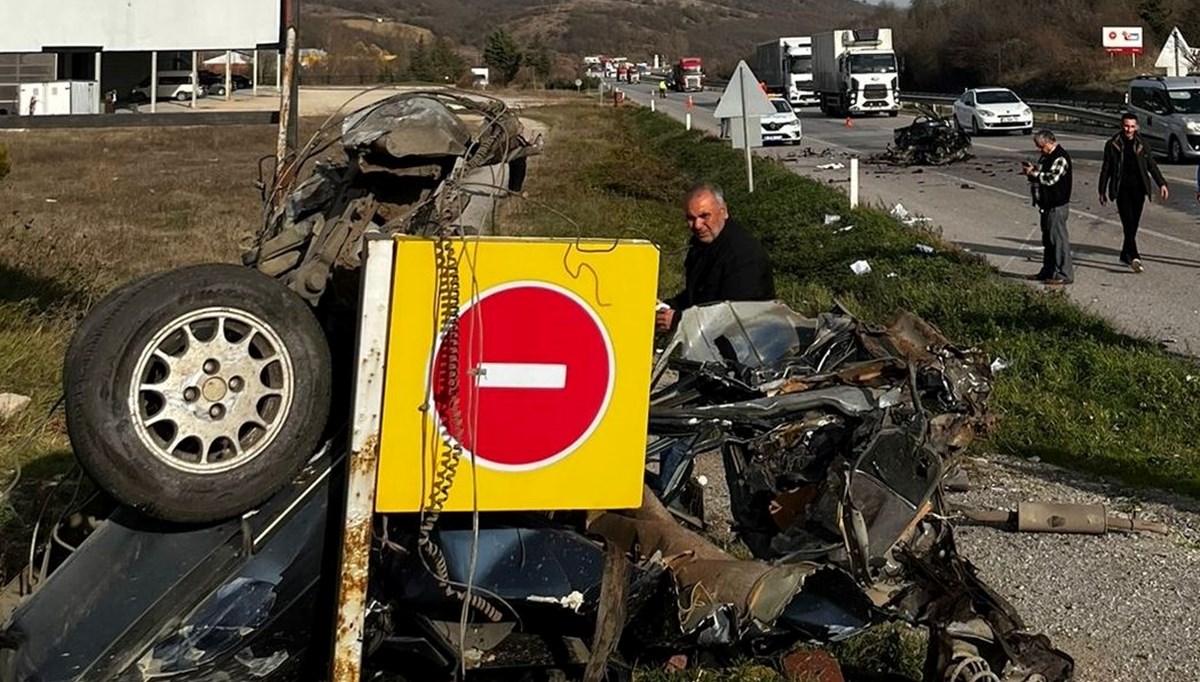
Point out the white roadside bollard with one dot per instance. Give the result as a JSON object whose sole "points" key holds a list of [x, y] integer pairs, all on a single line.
{"points": [[854, 183]]}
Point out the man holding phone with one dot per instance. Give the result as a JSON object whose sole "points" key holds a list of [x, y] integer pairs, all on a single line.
{"points": [[1050, 180]]}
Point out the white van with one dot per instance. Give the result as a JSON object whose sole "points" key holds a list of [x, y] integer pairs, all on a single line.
{"points": [[1168, 112], [176, 85]]}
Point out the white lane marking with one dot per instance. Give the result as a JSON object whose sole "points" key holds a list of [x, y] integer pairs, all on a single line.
{"points": [[521, 375]]}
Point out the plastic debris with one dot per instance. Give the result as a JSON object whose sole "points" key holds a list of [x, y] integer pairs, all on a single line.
{"points": [[860, 267]]}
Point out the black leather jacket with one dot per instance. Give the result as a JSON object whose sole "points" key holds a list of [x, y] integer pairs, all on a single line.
{"points": [[1111, 169]]}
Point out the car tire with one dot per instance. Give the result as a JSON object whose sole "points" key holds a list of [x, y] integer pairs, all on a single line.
{"points": [[94, 326], [1027, 131], [893, 114], [975, 130], [1174, 150], [200, 393], [182, 96]]}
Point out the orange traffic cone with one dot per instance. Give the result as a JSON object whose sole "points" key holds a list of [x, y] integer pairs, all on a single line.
{"points": [[849, 123]]}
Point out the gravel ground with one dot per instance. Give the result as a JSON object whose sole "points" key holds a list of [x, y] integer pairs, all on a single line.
{"points": [[1125, 606]]}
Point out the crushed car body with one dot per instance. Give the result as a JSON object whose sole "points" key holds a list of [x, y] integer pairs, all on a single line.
{"points": [[930, 140], [834, 436]]}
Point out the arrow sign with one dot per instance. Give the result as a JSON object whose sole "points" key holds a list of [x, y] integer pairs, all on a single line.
{"points": [[742, 97], [535, 375]]}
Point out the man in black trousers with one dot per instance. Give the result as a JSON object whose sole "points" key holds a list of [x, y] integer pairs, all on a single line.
{"points": [[724, 261], [1125, 177]]}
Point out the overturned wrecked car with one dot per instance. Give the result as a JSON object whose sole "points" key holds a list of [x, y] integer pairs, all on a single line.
{"points": [[213, 413], [930, 140]]}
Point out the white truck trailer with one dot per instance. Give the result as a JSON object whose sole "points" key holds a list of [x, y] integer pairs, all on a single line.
{"points": [[785, 65], [854, 72]]}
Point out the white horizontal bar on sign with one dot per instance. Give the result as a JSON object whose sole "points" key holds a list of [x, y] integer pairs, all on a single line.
{"points": [[521, 375]]}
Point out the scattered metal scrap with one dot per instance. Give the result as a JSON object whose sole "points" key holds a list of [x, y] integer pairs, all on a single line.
{"points": [[835, 436], [931, 140], [1056, 517]]}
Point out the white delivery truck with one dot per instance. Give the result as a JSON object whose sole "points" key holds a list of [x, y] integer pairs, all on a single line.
{"points": [[854, 72], [785, 65], [59, 97]]}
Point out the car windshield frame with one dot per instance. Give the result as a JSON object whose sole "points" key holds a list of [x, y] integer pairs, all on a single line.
{"points": [[782, 106], [997, 97], [1187, 103]]}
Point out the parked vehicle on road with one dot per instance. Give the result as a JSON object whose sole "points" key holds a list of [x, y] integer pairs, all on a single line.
{"points": [[1168, 111], [981, 110], [687, 75], [854, 72], [785, 65], [782, 126]]}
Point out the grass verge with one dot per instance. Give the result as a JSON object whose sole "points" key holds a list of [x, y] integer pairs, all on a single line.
{"points": [[1076, 391]]}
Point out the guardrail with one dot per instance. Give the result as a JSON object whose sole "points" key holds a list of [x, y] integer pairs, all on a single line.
{"points": [[1093, 111], [1064, 108]]}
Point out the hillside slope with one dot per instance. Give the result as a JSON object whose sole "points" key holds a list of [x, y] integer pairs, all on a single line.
{"points": [[721, 31]]}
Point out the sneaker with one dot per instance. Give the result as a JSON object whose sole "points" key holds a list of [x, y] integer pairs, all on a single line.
{"points": [[1057, 282], [1136, 264]]}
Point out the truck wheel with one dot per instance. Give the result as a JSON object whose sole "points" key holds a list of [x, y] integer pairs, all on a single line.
{"points": [[203, 392]]}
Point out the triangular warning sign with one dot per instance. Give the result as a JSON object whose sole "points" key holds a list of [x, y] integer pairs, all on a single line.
{"points": [[743, 97]]}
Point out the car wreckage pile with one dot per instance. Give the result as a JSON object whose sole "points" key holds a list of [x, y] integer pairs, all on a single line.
{"points": [[835, 436], [931, 140]]}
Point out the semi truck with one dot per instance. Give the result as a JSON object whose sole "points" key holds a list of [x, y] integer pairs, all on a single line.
{"points": [[687, 75], [785, 65], [854, 72]]}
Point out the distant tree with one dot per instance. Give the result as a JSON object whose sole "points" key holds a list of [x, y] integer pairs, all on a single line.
{"points": [[419, 63], [501, 53], [537, 58], [438, 63], [1156, 14]]}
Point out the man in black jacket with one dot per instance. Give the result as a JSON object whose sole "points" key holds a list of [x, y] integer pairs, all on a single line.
{"points": [[724, 261], [1125, 178], [1051, 179]]}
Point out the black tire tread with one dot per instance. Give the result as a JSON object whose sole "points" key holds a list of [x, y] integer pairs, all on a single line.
{"points": [[137, 478]]}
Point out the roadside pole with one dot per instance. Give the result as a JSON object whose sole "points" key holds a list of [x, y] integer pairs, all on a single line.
{"points": [[228, 74], [153, 82], [853, 183], [746, 140]]}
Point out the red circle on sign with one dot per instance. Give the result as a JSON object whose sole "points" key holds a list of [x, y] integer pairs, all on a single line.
{"points": [[535, 375], [1112, 34]]}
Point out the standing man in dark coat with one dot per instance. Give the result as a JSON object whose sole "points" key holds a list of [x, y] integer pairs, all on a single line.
{"points": [[1125, 178], [1051, 179], [724, 261]]}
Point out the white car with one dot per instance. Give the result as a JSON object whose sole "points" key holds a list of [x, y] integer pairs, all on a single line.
{"points": [[782, 126], [981, 110]]}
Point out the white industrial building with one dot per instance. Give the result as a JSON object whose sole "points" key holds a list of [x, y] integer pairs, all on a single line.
{"points": [[118, 44]]}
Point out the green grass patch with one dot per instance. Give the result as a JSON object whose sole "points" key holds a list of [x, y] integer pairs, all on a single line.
{"points": [[1077, 392]]}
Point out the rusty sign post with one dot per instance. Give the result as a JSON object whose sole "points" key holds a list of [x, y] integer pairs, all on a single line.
{"points": [[375, 304], [289, 91]]}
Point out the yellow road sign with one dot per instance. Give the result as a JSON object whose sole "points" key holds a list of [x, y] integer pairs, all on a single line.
{"points": [[544, 387]]}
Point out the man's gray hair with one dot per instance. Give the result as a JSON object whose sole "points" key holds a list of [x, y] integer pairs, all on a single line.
{"points": [[1043, 136], [706, 188]]}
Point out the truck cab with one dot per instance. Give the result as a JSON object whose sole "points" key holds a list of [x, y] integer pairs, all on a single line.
{"points": [[856, 72], [688, 75]]}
